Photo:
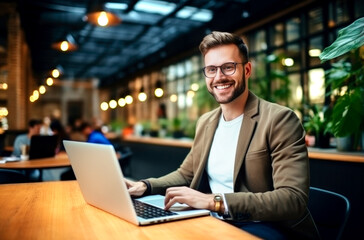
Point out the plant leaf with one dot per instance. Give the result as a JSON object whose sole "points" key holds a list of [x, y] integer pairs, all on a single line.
{"points": [[350, 37], [347, 115]]}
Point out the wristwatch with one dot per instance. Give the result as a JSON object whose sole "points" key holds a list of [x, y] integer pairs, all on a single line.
{"points": [[218, 202]]}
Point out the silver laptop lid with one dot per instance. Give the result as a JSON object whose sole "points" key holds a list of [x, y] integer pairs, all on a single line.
{"points": [[98, 173]]}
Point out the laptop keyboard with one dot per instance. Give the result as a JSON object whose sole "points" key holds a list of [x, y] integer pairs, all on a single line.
{"points": [[147, 211]]}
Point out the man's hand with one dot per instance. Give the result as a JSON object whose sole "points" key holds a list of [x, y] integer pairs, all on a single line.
{"points": [[190, 197], [135, 188]]}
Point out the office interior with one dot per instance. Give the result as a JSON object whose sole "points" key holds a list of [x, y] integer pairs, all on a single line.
{"points": [[139, 77]]}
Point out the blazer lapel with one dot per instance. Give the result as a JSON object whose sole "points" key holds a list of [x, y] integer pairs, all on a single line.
{"points": [[246, 132]]}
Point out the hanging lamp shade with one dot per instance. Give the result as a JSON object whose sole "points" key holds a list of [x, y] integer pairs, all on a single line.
{"points": [[99, 15], [65, 45]]}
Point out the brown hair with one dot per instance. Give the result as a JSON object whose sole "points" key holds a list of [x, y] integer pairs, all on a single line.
{"points": [[215, 39]]}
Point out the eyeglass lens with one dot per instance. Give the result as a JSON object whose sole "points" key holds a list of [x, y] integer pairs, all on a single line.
{"points": [[227, 69]]}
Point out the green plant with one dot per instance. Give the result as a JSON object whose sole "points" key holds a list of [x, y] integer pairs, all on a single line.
{"points": [[345, 80], [317, 124], [274, 86]]}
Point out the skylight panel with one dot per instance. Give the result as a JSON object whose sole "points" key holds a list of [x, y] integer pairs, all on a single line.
{"points": [[186, 12], [116, 6], [202, 15], [154, 6]]}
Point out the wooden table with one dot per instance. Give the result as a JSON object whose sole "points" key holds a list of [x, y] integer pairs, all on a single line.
{"points": [[57, 210], [58, 161]]}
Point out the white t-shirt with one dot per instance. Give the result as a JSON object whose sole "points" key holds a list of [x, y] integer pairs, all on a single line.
{"points": [[220, 165]]}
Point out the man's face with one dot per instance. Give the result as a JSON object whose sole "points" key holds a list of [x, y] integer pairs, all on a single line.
{"points": [[35, 130], [226, 89]]}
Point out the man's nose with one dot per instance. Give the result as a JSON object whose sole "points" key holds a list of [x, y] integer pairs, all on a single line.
{"points": [[219, 73]]}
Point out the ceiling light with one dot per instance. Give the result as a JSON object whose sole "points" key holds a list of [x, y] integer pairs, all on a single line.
{"points": [[99, 15], [42, 89], [49, 81], [113, 104], [142, 96], [158, 92], [104, 106], [55, 73], [121, 102], [67, 44], [154, 6], [3, 112], [129, 99]]}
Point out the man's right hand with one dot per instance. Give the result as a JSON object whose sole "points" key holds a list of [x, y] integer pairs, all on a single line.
{"points": [[135, 188]]}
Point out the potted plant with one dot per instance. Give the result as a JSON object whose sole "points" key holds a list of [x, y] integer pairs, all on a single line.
{"points": [[317, 125], [345, 81]]}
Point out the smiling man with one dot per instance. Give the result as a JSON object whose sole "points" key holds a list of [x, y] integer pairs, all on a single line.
{"points": [[248, 163]]}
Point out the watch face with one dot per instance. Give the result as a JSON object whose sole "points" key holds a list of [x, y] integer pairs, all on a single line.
{"points": [[217, 198]]}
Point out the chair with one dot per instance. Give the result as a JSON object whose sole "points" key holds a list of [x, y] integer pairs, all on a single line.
{"points": [[12, 176], [330, 212]]}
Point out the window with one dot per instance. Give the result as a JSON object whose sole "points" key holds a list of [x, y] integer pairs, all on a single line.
{"points": [[315, 50], [315, 21], [257, 41], [293, 29], [293, 57], [316, 85], [276, 34]]}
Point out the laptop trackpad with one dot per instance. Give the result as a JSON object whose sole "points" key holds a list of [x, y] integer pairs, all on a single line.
{"points": [[158, 201]]}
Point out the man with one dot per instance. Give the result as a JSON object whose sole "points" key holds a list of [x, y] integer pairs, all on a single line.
{"points": [[93, 136], [248, 163], [34, 127]]}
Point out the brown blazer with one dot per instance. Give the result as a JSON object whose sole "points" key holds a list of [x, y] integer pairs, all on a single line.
{"points": [[271, 172]]}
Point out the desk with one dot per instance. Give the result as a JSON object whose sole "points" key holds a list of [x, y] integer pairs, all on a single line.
{"points": [[58, 161], [57, 210]]}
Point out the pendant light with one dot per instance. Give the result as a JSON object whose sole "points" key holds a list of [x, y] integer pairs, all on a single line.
{"points": [[99, 15]]}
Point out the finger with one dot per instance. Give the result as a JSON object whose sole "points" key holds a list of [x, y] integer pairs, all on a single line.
{"points": [[173, 201], [128, 183]]}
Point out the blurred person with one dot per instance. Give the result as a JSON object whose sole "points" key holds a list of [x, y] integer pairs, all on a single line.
{"points": [[92, 135], [58, 130], [23, 141], [248, 163], [45, 128], [34, 126], [74, 132]]}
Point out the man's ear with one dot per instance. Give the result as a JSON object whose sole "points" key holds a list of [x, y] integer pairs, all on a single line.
{"points": [[248, 69]]}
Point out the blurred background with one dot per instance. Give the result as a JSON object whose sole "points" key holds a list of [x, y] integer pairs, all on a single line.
{"points": [[133, 66]]}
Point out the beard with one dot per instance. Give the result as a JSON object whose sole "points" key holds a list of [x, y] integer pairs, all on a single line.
{"points": [[240, 89]]}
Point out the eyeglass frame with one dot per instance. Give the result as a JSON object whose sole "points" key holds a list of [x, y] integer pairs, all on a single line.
{"points": [[235, 63]]}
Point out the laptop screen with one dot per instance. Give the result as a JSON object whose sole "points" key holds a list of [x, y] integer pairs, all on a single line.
{"points": [[42, 147]]}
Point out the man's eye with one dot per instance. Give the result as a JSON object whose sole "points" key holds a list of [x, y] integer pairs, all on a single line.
{"points": [[211, 69]]}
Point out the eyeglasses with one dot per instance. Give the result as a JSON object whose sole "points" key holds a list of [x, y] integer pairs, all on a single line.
{"points": [[227, 69]]}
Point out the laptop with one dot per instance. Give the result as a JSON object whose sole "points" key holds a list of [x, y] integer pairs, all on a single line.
{"points": [[42, 146], [101, 181]]}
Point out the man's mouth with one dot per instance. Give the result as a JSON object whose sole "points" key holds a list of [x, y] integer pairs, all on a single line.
{"points": [[221, 87]]}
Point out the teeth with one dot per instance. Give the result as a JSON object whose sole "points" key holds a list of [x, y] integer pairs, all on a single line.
{"points": [[222, 87]]}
